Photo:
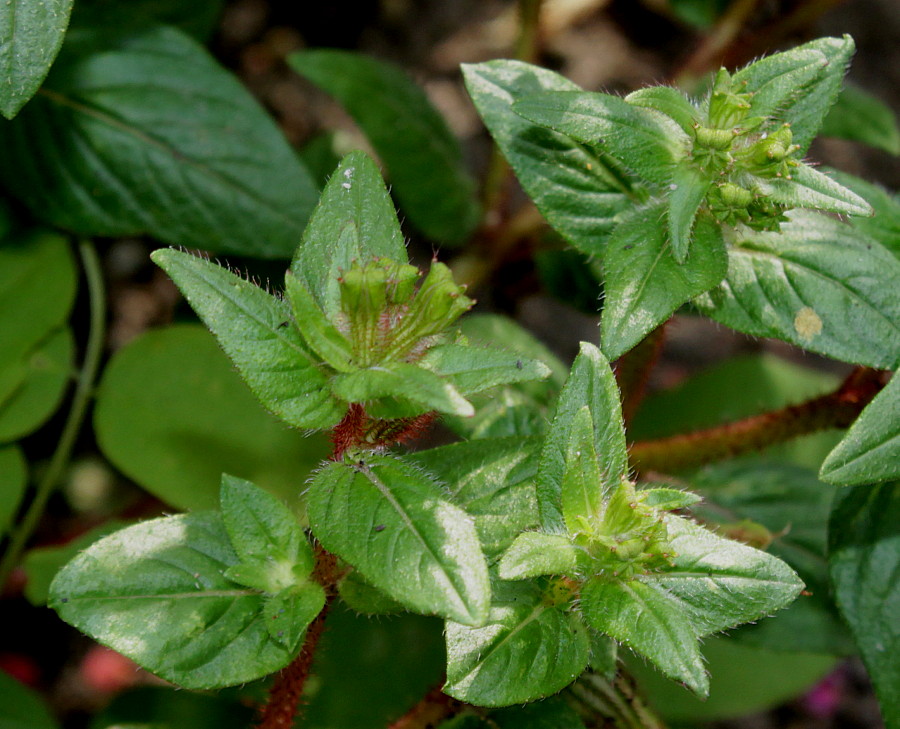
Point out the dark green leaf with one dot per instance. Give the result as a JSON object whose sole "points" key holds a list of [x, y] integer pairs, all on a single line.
{"points": [[870, 452], [551, 713], [644, 284], [534, 554], [139, 130], [422, 156], [864, 556], [362, 597], [818, 284], [701, 13], [22, 708], [167, 707], [861, 117], [884, 225], [155, 592], [591, 383], [354, 220], [642, 618], [526, 650], [570, 184], [198, 18], [254, 328], [604, 655], [392, 522], [648, 142], [288, 613], [13, 478], [31, 34], [473, 369], [172, 414], [808, 188]]}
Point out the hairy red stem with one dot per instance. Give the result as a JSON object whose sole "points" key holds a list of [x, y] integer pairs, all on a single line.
{"points": [[432, 709]]}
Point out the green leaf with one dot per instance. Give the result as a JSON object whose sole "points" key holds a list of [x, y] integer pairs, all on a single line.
{"points": [[30, 37], [199, 19], [168, 707], [423, 157], [799, 86], [859, 116], [473, 369], [644, 284], [671, 102], [354, 220], [402, 380], [884, 225], [819, 284], [46, 371], [584, 488], [172, 414], [590, 383], [254, 329], [22, 708], [527, 650], [13, 478], [362, 597], [642, 618], [688, 190], [604, 655], [870, 452], [42, 563], [155, 592], [392, 522], [289, 613], [667, 499], [493, 481], [260, 526], [534, 554], [648, 142], [139, 130], [864, 556], [571, 184], [315, 328], [551, 713], [808, 188]]}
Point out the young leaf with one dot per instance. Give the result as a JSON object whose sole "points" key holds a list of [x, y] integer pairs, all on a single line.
{"points": [[644, 282], [473, 369], [861, 117], [550, 166], [635, 614], [527, 650], [668, 499], [250, 325], [591, 383], [688, 190], [30, 37], [584, 488], [172, 414], [647, 141], [139, 130], [156, 593], [393, 523], [402, 380], [354, 220], [13, 477], [671, 102], [315, 328], [870, 451], [423, 158], [534, 554], [864, 557], [808, 188], [289, 613], [818, 284]]}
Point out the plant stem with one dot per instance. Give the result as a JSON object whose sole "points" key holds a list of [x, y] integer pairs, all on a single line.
{"points": [[633, 370], [77, 411], [432, 709], [616, 700], [834, 410]]}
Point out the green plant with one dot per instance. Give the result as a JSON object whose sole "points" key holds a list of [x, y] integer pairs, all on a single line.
{"points": [[550, 536]]}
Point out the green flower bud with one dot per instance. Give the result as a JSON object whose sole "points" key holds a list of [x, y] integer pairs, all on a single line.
{"points": [[727, 108], [718, 139]]}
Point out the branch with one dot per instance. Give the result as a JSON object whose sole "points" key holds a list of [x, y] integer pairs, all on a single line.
{"points": [[836, 410], [433, 708]]}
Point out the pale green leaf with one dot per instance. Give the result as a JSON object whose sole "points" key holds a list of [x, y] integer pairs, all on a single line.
{"points": [[155, 592], [423, 158], [255, 330], [393, 523], [571, 184], [644, 620], [534, 554], [870, 451], [686, 193], [355, 220], [648, 142], [590, 383], [315, 328], [809, 188], [473, 369], [527, 650], [861, 117], [818, 284], [645, 285], [864, 557], [172, 414], [668, 499], [288, 613], [584, 488], [671, 102], [138, 129], [13, 478], [31, 34]]}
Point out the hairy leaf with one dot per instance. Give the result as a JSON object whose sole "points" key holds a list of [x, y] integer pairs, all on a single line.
{"points": [[870, 451], [473, 369], [687, 192], [808, 188], [571, 184], [534, 554], [289, 613], [423, 157], [861, 117], [671, 102], [884, 225], [315, 328], [584, 488], [393, 523], [254, 329]]}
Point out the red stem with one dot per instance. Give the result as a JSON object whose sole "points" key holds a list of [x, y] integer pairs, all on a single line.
{"points": [[432, 709]]}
